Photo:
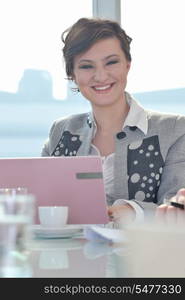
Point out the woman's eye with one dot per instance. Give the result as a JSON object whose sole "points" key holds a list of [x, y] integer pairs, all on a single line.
{"points": [[112, 62], [85, 67]]}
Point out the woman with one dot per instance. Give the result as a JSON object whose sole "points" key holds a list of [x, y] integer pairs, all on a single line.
{"points": [[142, 152]]}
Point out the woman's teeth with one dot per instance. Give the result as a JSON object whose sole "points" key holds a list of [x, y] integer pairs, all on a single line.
{"points": [[101, 88]]}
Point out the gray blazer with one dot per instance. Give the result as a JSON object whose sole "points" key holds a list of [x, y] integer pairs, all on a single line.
{"points": [[147, 167]]}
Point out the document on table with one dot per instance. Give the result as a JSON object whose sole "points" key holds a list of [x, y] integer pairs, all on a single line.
{"points": [[97, 233]]}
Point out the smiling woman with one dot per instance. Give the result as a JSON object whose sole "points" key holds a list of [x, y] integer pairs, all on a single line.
{"points": [[139, 158]]}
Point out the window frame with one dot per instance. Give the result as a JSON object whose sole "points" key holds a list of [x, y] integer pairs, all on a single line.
{"points": [[110, 9]]}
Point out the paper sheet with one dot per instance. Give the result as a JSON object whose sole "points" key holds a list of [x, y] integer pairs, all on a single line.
{"points": [[97, 233]]}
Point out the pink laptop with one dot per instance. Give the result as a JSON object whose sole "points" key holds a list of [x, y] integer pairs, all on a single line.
{"points": [[72, 181]]}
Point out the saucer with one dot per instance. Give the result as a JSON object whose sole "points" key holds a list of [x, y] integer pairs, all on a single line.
{"points": [[66, 231], [50, 244]]}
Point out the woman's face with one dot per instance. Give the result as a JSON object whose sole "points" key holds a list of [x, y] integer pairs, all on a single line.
{"points": [[101, 72]]}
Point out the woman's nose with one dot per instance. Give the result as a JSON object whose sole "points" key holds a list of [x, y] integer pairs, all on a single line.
{"points": [[100, 75]]}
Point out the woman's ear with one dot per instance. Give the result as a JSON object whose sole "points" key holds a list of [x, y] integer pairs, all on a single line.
{"points": [[128, 65], [73, 77]]}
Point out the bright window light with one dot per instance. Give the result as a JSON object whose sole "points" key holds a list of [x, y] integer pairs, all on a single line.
{"points": [[158, 46], [30, 34]]}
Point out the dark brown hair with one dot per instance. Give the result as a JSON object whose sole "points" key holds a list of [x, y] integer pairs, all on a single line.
{"points": [[84, 33]]}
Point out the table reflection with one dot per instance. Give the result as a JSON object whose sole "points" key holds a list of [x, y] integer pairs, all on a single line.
{"points": [[73, 257]]}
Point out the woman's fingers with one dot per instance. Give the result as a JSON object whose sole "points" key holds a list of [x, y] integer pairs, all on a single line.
{"points": [[172, 214], [124, 213], [165, 214], [181, 212], [160, 213], [181, 192]]}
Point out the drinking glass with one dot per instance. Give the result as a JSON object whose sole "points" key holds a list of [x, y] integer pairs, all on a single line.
{"points": [[16, 217], [13, 191]]}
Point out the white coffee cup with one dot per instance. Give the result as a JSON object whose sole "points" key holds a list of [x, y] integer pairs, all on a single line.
{"points": [[53, 216]]}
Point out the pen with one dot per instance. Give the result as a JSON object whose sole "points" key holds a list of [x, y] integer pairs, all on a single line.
{"points": [[176, 204]]}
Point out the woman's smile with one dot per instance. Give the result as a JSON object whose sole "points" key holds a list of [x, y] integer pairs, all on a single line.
{"points": [[103, 89]]}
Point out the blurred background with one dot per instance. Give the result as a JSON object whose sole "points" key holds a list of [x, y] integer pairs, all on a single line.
{"points": [[33, 86]]}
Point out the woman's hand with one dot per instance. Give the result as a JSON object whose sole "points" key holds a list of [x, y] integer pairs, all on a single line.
{"points": [[123, 214], [169, 214]]}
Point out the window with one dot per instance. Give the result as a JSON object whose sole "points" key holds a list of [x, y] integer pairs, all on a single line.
{"points": [[33, 88], [158, 47]]}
